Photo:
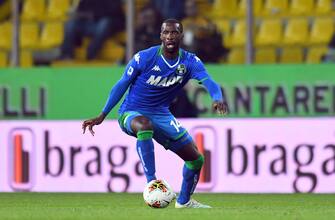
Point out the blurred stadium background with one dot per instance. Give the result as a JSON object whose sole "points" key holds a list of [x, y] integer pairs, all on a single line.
{"points": [[274, 60]]}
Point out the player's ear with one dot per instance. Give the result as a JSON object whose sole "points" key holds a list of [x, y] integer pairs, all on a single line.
{"points": [[161, 36]]}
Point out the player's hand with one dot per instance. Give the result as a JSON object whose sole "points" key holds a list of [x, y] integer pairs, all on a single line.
{"points": [[92, 122], [220, 107]]}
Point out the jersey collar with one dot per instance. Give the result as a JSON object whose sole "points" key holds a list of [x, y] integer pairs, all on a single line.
{"points": [[160, 52]]}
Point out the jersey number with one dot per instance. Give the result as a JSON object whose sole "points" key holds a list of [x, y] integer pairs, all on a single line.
{"points": [[176, 124]]}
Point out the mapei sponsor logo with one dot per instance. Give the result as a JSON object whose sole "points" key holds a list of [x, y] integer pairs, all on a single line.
{"points": [[205, 138], [21, 149], [164, 81]]}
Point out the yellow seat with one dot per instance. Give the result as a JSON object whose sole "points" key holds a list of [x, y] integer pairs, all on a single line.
{"points": [[5, 35], [26, 58], [322, 30], [323, 7], [80, 53], [57, 9], [33, 10], [291, 55], [270, 32], [140, 4], [224, 27], [314, 54], [301, 7], [5, 9], [75, 3], [257, 7], [265, 55], [120, 37], [204, 7], [52, 35], [29, 35], [296, 31], [3, 59], [275, 7], [112, 51], [224, 8], [238, 37], [236, 56]]}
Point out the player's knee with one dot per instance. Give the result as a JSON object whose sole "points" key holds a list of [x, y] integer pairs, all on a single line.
{"points": [[144, 128], [142, 123], [195, 164]]}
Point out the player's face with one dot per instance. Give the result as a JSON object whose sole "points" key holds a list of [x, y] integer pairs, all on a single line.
{"points": [[171, 36]]}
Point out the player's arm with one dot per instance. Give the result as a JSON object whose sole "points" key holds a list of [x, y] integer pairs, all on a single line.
{"points": [[199, 73], [219, 104], [116, 93], [114, 97]]}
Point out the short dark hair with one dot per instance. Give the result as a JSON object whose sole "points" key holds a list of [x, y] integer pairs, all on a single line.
{"points": [[174, 21]]}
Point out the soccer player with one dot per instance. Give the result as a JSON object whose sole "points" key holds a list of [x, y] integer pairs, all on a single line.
{"points": [[154, 76]]}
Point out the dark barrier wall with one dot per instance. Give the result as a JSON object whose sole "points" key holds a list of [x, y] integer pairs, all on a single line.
{"points": [[251, 91]]}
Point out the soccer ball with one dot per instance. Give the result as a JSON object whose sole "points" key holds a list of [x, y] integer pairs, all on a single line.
{"points": [[158, 194]]}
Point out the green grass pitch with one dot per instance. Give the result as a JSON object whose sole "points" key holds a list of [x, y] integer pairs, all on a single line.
{"points": [[131, 206]]}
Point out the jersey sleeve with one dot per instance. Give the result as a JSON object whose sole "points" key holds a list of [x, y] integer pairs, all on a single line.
{"points": [[200, 73], [132, 70]]}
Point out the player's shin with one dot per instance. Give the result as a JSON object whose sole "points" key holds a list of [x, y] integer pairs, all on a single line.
{"points": [[191, 173], [145, 150]]}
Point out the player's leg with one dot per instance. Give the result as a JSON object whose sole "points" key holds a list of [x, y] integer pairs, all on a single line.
{"points": [[191, 173], [143, 129], [170, 134], [135, 124]]}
